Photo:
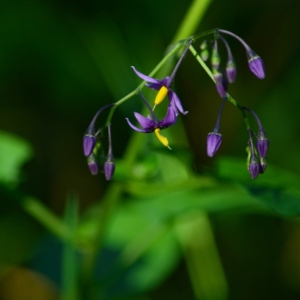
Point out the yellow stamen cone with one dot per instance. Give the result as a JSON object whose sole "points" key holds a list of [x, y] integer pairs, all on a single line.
{"points": [[162, 138], [161, 95]]}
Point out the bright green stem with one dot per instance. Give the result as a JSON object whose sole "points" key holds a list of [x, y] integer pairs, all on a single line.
{"points": [[229, 98], [192, 19]]}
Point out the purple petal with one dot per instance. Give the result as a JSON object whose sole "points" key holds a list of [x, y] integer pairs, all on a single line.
{"points": [[154, 86], [175, 101], [134, 127], [165, 81], [145, 77], [169, 119], [146, 123]]}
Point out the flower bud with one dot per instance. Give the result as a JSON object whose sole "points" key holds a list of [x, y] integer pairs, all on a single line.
{"points": [[221, 83], [263, 165], [262, 143], [93, 165], [254, 166], [109, 167], [89, 142], [213, 143], [231, 71], [256, 64]]}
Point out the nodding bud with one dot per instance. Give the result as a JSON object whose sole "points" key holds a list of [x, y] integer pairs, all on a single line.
{"points": [[254, 166], [231, 71], [89, 141], [215, 57], [263, 165], [256, 64], [213, 143], [109, 167], [221, 83], [93, 165], [262, 143]]}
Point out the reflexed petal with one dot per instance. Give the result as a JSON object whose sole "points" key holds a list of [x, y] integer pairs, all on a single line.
{"points": [[134, 127], [175, 101], [145, 77], [169, 119], [146, 123]]}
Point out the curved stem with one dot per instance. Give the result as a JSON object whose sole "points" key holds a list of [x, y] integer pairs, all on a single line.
{"points": [[236, 37]]}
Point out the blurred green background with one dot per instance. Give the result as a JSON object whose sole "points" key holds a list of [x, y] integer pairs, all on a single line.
{"points": [[60, 61]]}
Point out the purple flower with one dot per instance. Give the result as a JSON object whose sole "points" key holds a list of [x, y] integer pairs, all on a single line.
{"points": [[153, 124], [214, 140], [254, 166], [163, 88]]}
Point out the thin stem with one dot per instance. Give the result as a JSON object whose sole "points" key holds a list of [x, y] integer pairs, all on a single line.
{"points": [[179, 62], [153, 115], [229, 53], [236, 37], [256, 118], [217, 126]]}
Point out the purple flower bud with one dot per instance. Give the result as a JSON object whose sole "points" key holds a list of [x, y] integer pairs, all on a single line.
{"points": [[256, 64], [109, 169], [263, 165], [213, 143], [231, 71], [221, 84], [262, 143], [92, 164], [254, 166], [89, 142]]}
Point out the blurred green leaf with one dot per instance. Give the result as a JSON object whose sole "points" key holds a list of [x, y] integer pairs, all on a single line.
{"points": [[277, 188], [14, 151]]}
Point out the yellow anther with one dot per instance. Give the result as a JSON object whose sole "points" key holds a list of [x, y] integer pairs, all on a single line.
{"points": [[161, 95], [162, 138]]}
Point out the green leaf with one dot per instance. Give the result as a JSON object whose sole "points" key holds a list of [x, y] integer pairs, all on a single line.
{"points": [[278, 189], [14, 151]]}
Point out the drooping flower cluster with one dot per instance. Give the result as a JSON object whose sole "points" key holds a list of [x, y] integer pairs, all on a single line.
{"points": [[256, 154], [92, 147]]}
